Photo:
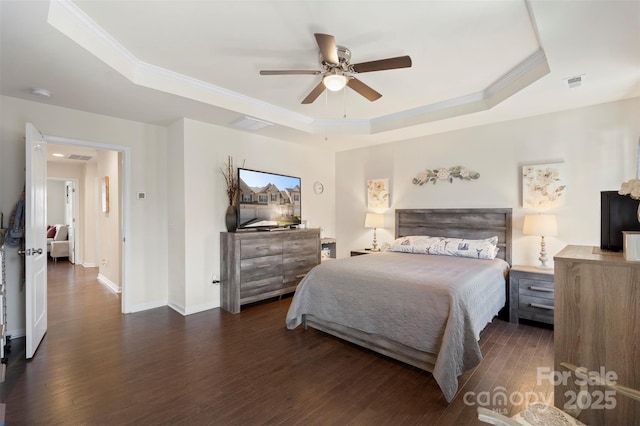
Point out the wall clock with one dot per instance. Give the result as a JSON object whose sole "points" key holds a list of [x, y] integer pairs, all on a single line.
{"points": [[318, 188]]}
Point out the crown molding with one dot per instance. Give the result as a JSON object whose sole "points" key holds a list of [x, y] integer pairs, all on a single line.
{"points": [[70, 20]]}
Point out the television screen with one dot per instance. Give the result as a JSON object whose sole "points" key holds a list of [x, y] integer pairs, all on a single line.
{"points": [[619, 213], [268, 200]]}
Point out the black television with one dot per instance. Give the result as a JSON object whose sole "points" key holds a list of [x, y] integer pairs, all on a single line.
{"points": [[268, 200], [618, 213]]}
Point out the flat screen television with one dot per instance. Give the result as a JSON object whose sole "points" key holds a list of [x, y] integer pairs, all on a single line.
{"points": [[618, 213], [268, 200]]}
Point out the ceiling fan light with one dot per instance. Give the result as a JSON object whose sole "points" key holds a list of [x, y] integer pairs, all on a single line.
{"points": [[335, 82]]}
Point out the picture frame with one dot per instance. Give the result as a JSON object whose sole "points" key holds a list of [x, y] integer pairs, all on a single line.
{"points": [[378, 193], [544, 186], [104, 183]]}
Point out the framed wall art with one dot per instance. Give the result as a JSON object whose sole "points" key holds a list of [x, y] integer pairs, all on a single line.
{"points": [[104, 189], [378, 193], [543, 186]]}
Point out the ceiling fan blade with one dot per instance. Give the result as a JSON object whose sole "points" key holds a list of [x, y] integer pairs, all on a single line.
{"points": [[363, 89], [328, 48], [289, 72], [383, 64], [317, 91]]}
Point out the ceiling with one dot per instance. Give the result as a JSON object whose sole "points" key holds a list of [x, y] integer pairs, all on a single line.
{"points": [[474, 62]]}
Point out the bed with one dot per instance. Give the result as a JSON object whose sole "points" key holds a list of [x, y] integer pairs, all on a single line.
{"points": [[424, 310]]}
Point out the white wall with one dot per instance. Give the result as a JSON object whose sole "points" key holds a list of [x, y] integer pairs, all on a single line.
{"points": [[205, 148], [88, 202], [109, 223], [56, 206], [598, 146], [176, 216], [146, 249]]}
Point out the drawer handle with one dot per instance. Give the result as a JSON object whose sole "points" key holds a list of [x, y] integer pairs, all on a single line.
{"points": [[263, 266], [536, 288], [301, 276], [263, 248], [538, 305]]}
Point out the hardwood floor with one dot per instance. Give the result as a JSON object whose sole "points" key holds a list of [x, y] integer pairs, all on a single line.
{"points": [[97, 366]]}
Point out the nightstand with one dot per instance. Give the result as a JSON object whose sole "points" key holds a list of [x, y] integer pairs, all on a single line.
{"points": [[361, 252], [531, 294]]}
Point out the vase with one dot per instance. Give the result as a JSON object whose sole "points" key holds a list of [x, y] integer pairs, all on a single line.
{"points": [[231, 218]]}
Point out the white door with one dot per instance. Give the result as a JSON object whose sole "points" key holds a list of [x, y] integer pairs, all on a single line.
{"points": [[35, 239], [70, 217]]}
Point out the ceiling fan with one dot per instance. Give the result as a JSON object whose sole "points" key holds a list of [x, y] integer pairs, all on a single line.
{"points": [[337, 71]]}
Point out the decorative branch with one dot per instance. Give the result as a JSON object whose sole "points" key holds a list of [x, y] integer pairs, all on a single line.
{"points": [[231, 178], [455, 172]]}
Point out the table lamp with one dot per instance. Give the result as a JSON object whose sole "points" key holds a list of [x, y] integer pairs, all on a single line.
{"points": [[374, 220], [542, 225]]}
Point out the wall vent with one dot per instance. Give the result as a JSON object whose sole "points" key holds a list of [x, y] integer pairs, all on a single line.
{"points": [[79, 157], [250, 123], [575, 81]]}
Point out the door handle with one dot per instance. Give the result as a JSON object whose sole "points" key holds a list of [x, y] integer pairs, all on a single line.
{"points": [[30, 252]]}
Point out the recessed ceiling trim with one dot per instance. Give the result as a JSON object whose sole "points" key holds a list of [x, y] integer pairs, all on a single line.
{"points": [[531, 69], [66, 17], [70, 20]]}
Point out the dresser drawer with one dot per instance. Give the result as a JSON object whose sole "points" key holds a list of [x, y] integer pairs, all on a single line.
{"points": [[535, 304], [296, 245], [259, 286], [536, 288], [296, 267], [536, 308], [260, 268], [260, 247]]}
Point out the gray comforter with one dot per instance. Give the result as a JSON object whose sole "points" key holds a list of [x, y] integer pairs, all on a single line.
{"points": [[436, 304]]}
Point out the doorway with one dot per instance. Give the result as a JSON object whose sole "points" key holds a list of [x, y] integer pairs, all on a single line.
{"points": [[85, 195]]}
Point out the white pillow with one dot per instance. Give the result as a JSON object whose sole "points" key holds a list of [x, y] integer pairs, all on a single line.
{"points": [[443, 246], [412, 244], [477, 249]]}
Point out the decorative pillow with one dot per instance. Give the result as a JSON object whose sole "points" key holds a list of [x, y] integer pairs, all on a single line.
{"points": [[51, 232], [478, 249], [412, 244]]}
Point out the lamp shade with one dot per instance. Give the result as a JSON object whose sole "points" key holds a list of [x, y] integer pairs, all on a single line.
{"points": [[374, 220], [544, 225], [335, 82]]}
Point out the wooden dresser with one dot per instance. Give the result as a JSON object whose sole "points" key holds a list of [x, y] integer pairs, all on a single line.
{"points": [[259, 265], [597, 326]]}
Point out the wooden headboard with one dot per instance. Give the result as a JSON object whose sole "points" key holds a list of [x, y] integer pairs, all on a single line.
{"points": [[458, 223]]}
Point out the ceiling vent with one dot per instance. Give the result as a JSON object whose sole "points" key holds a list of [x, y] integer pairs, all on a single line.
{"points": [[573, 82], [79, 157], [250, 123]]}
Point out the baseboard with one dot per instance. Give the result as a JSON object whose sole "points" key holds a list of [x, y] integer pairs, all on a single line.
{"points": [[109, 284], [89, 265], [179, 309], [194, 309], [16, 334], [146, 306]]}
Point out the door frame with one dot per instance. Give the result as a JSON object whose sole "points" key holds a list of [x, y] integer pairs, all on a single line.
{"points": [[125, 206], [74, 196]]}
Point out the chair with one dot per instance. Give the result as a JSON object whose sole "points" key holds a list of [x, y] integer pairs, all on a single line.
{"points": [[537, 413], [58, 246]]}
